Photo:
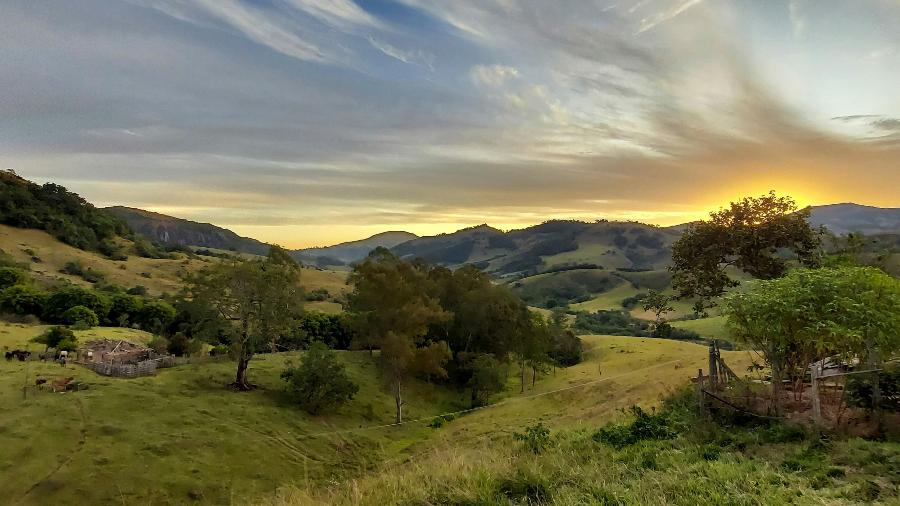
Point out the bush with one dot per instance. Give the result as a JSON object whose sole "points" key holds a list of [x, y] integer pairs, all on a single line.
{"points": [[318, 295], [181, 346], [82, 315], [220, 350], [54, 336], [139, 290], [62, 300], [320, 382], [536, 438], [159, 344], [645, 426], [10, 276], [73, 267], [155, 316], [22, 300], [68, 344]]}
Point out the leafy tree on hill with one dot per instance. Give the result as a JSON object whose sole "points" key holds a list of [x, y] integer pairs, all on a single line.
{"points": [[63, 214], [749, 235], [253, 302], [22, 300], [10, 276], [487, 377], [80, 315], [319, 383], [155, 316], [124, 309], [62, 300], [392, 309]]}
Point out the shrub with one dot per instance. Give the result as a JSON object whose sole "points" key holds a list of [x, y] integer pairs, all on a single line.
{"points": [[645, 426], [62, 300], [139, 290], [10, 276], [22, 300], [440, 421], [320, 382], [68, 344], [80, 314], [155, 316], [54, 336], [536, 438], [181, 346], [319, 294], [73, 267], [159, 344]]}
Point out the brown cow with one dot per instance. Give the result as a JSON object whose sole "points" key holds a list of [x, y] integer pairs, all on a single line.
{"points": [[60, 384]]}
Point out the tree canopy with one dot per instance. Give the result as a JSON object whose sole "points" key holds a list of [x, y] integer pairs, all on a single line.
{"points": [[753, 235]]}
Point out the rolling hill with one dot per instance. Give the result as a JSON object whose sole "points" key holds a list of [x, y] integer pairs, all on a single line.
{"points": [[847, 217], [349, 252], [163, 229]]}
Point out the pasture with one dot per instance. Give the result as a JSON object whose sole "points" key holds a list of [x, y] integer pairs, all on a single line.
{"points": [[182, 435]]}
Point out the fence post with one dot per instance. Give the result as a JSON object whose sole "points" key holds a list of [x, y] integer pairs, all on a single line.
{"points": [[713, 369], [700, 389], [814, 375]]}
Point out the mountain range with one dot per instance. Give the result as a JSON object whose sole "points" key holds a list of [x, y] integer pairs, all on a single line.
{"points": [[560, 244]]}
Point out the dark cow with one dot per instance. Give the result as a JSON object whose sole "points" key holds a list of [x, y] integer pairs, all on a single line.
{"points": [[22, 355]]}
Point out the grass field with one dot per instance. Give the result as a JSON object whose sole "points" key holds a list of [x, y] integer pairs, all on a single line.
{"points": [[159, 276], [710, 328], [183, 434]]}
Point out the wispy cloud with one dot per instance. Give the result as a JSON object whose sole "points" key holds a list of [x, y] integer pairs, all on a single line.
{"points": [[413, 57], [673, 11]]}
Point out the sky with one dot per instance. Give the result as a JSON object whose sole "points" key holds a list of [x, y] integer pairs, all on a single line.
{"points": [[311, 122]]}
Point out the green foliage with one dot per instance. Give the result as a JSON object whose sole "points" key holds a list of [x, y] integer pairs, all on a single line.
{"points": [[60, 301], [80, 315], [159, 344], [536, 438], [22, 300], [314, 326], [10, 276], [51, 207], [812, 314], [632, 302], [487, 376], [645, 426], [68, 344], [392, 309], [569, 287], [319, 383], [442, 420], [748, 235], [658, 303], [55, 335], [155, 316], [859, 389], [146, 249], [124, 309], [614, 323], [76, 268], [248, 304], [139, 290], [318, 295]]}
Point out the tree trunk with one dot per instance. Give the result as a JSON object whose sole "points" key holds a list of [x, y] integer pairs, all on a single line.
{"points": [[873, 362], [533, 376], [522, 379], [398, 400], [776, 388], [240, 379]]}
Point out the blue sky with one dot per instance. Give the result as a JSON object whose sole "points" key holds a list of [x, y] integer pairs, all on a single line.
{"points": [[310, 122]]}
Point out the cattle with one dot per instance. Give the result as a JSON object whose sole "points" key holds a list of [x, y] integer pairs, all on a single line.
{"points": [[61, 384], [22, 355]]}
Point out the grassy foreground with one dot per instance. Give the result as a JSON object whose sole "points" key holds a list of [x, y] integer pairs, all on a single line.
{"points": [[181, 436]]}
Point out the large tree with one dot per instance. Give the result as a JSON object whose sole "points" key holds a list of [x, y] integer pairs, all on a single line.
{"points": [[392, 308], [260, 300], [756, 235]]}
